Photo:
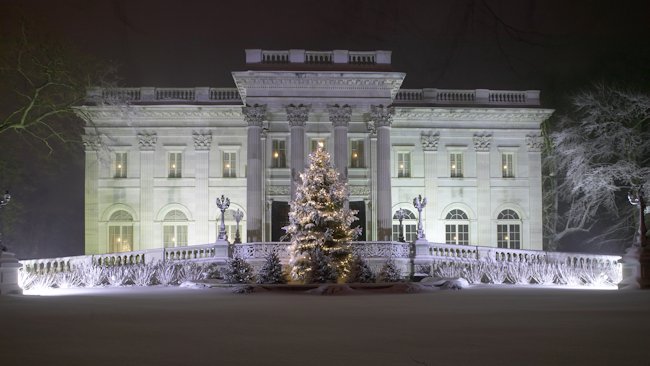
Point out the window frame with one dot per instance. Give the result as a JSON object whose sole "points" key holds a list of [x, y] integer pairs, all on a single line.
{"points": [[175, 164], [120, 164], [279, 162], [358, 161], [457, 227]]}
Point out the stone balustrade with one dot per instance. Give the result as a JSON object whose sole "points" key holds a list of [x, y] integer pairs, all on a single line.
{"points": [[163, 95], [468, 97], [259, 56]]}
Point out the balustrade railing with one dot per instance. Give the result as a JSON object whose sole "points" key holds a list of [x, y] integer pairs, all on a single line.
{"points": [[468, 97], [162, 95]]}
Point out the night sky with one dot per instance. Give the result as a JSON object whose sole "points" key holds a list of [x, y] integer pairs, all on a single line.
{"points": [[556, 46]]}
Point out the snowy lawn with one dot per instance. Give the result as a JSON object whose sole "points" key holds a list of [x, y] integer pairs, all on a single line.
{"points": [[497, 325]]}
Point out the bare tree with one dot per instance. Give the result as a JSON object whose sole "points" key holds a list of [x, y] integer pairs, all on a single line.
{"points": [[598, 153]]}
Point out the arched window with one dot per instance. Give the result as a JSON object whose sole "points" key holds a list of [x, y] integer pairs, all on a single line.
{"points": [[508, 229], [175, 229], [120, 232], [457, 227], [410, 223]]}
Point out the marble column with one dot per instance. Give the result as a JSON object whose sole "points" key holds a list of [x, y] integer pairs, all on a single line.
{"points": [[147, 142], [254, 116], [297, 117], [430, 147], [340, 118], [383, 117], [92, 144], [482, 144], [202, 142], [535, 144]]}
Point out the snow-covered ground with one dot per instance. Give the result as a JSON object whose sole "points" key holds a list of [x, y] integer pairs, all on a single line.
{"points": [[499, 325]]}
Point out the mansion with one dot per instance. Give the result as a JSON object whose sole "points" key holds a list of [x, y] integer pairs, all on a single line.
{"points": [[158, 158]]}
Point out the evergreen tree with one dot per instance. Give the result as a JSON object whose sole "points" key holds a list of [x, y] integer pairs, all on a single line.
{"points": [[359, 271], [271, 272], [319, 223], [238, 271], [389, 272]]}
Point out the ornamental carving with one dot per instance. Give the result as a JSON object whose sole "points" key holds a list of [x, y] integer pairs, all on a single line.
{"points": [[381, 115], [482, 142], [359, 190], [297, 115], [372, 130], [534, 142], [147, 140], [339, 115], [165, 113], [92, 142], [260, 251], [430, 141], [278, 190], [381, 249], [255, 114], [202, 140], [472, 114]]}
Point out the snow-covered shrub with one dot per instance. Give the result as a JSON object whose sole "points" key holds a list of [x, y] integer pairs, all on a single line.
{"points": [[167, 273], [359, 272], [389, 272], [321, 269], [614, 273], [43, 281], [474, 271], [68, 279], [190, 271], [594, 275], [519, 273], [91, 275], [543, 273], [212, 271], [271, 271], [25, 279], [568, 275], [496, 272], [238, 271], [118, 275], [424, 269], [449, 270], [143, 274]]}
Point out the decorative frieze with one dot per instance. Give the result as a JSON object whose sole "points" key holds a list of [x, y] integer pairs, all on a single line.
{"points": [[472, 114], [147, 140], [297, 115], [359, 190], [92, 142], [534, 142], [430, 140], [339, 115], [278, 190], [202, 140], [381, 115], [255, 114], [482, 142]]}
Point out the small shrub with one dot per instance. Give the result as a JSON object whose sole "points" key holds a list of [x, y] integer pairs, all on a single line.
{"points": [[543, 273], [496, 272], [568, 275], [389, 272], [167, 273], [190, 271], [519, 273], [271, 271], [321, 268], [91, 275], [359, 272], [144, 274], [118, 275], [474, 271], [238, 271], [449, 270], [68, 279]]}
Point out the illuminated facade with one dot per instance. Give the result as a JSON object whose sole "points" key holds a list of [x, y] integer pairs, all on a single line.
{"points": [[157, 158]]}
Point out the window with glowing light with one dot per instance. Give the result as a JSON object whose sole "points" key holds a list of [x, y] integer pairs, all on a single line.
{"points": [[456, 165], [509, 230], [120, 165], [175, 229], [357, 154], [318, 142], [120, 232], [457, 227], [175, 164], [409, 224], [507, 165], [279, 154], [229, 164], [403, 164]]}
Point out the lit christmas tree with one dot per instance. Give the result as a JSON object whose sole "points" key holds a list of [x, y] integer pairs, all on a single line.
{"points": [[320, 224]]}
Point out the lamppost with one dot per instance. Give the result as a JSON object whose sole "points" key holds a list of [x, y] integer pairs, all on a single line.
{"points": [[3, 202], [223, 203], [419, 203], [638, 255], [636, 198], [238, 215], [401, 215]]}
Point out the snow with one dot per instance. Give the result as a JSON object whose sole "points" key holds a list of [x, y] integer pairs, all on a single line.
{"points": [[479, 325]]}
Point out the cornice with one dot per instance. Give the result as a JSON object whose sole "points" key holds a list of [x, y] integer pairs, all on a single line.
{"points": [[130, 112], [473, 114]]}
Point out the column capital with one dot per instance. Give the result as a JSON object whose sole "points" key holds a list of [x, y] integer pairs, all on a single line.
{"points": [[430, 141], [535, 143], [147, 140], [255, 114], [339, 115], [297, 115], [202, 140], [482, 141], [92, 142], [382, 115]]}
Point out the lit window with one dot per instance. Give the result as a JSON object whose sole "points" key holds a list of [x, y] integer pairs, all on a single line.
{"points": [[403, 165], [509, 230], [456, 165], [229, 165], [316, 142], [175, 164], [507, 165], [279, 154], [356, 154], [410, 227], [175, 229], [120, 232], [457, 228], [120, 165]]}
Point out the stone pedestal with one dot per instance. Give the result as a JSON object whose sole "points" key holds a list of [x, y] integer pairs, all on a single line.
{"points": [[636, 269], [221, 249], [9, 266]]}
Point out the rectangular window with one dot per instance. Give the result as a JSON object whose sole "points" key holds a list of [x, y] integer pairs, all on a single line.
{"points": [[120, 238], [457, 234], [456, 165], [175, 164], [120, 165], [509, 236], [507, 165], [315, 142], [403, 165], [357, 154], [229, 165], [410, 232], [279, 154], [174, 236]]}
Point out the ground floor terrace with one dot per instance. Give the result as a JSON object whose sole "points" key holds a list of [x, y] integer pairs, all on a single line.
{"points": [[495, 325]]}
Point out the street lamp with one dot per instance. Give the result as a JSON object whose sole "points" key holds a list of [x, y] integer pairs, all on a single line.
{"points": [[3, 202], [223, 203], [401, 215], [419, 203], [238, 215], [636, 198]]}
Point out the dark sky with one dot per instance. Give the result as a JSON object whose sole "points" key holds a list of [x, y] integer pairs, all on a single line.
{"points": [[556, 46]]}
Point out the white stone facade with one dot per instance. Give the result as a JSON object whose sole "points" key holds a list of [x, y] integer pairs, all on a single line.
{"points": [[157, 160]]}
